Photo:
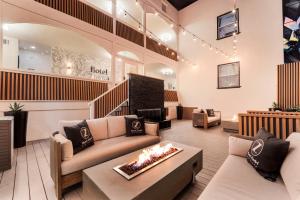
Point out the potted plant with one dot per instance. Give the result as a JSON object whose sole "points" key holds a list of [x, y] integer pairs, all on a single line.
{"points": [[20, 123], [275, 107]]}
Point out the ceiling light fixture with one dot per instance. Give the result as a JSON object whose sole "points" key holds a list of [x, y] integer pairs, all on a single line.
{"points": [[5, 27]]}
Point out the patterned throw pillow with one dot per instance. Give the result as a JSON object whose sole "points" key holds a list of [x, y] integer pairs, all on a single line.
{"points": [[80, 135], [267, 154], [135, 126]]}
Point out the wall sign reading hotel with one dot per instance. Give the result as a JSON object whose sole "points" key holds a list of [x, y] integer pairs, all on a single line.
{"points": [[99, 71]]}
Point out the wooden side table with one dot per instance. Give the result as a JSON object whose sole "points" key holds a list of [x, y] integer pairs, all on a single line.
{"points": [[230, 126], [6, 142]]}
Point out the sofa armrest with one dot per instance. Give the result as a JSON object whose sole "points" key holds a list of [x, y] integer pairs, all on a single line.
{"points": [[66, 147], [55, 164], [239, 146], [152, 128]]}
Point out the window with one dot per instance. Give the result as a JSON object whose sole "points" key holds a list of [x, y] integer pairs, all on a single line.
{"points": [[228, 24]]}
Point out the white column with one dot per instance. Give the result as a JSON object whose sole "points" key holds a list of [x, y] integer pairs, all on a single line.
{"points": [[114, 14], [113, 68]]}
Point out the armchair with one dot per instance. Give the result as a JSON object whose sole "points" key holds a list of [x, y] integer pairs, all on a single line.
{"points": [[203, 120]]}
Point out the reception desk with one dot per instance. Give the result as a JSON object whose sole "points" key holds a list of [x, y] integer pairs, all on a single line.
{"points": [[6, 142]]}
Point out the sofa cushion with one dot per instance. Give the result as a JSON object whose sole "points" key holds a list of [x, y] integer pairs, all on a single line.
{"points": [[66, 146], [290, 167], [98, 128], [236, 179], [116, 126], [105, 150]]}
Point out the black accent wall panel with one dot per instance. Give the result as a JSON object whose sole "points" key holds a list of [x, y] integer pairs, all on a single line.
{"points": [[145, 93]]}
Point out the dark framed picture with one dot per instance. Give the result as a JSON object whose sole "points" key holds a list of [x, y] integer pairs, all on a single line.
{"points": [[228, 24], [229, 75], [291, 30]]}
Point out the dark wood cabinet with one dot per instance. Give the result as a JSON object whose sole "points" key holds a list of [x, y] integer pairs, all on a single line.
{"points": [[6, 142]]}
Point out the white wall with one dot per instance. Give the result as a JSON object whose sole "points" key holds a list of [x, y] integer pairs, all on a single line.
{"points": [[10, 52], [260, 49], [43, 117]]}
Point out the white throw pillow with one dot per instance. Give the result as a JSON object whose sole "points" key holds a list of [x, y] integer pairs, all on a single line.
{"points": [[290, 168], [66, 147], [151, 128], [98, 128], [239, 146]]}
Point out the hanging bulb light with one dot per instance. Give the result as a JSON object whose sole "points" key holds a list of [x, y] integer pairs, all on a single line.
{"points": [[136, 2], [182, 60], [210, 48], [171, 25], [203, 43], [183, 32], [217, 51], [140, 27], [194, 38], [234, 11], [156, 13], [173, 53], [159, 43], [167, 48]]}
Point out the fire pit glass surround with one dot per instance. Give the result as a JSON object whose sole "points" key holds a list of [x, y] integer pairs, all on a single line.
{"points": [[147, 159]]}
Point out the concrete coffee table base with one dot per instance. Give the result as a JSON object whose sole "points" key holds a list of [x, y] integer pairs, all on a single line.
{"points": [[163, 181]]}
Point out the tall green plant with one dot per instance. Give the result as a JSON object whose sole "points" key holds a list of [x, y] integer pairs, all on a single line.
{"points": [[16, 107]]}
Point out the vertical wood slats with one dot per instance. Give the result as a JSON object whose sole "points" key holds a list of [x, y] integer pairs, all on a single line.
{"points": [[288, 85], [129, 33], [111, 100], [171, 96], [21, 86], [281, 124], [160, 49], [82, 11]]}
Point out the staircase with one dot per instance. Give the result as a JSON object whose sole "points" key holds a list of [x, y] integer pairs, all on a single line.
{"points": [[114, 102]]}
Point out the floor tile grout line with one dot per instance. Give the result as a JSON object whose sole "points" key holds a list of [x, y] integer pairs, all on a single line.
{"points": [[39, 169], [15, 175]]}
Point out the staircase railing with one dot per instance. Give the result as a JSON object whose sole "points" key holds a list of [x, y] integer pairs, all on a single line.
{"points": [[109, 102]]}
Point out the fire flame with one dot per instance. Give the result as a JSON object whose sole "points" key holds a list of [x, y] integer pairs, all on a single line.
{"points": [[155, 151]]}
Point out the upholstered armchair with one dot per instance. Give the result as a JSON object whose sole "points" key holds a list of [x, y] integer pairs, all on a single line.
{"points": [[203, 120]]}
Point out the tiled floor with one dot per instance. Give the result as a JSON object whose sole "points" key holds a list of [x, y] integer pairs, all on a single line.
{"points": [[29, 178]]}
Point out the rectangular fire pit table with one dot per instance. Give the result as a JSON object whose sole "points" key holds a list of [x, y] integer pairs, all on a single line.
{"points": [[163, 181]]}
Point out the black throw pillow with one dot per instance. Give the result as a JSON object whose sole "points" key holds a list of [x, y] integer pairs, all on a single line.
{"points": [[267, 154], [210, 112], [135, 126], [80, 135]]}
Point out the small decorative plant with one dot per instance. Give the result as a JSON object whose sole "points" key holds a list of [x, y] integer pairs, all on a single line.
{"points": [[275, 105], [16, 107]]}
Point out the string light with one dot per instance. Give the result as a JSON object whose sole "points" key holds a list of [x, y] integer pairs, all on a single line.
{"points": [[172, 25]]}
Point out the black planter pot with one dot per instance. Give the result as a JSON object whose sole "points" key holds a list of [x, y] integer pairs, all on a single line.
{"points": [[20, 127], [179, 112]]}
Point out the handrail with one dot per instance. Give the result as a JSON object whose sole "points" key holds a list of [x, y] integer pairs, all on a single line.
{"points": [[108, 91], [117, 107]]}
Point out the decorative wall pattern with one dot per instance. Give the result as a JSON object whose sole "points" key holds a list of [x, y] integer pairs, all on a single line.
{"points": [[74, 64], [171, 96]]}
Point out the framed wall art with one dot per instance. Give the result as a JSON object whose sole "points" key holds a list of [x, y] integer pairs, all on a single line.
{"points": [[228, 24], [229, 75]]}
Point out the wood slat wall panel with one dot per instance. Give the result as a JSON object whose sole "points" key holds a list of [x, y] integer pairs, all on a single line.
{"points": [[80, 10], [21, 86], [171, 96], [129, 33], [281, 124], [161, 49], [111, 100], [288, 81]]}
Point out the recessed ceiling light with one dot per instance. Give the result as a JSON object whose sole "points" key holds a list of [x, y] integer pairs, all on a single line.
{"points": [[33, 47]]}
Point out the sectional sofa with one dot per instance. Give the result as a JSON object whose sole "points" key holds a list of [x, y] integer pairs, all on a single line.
{"points": [[110, 143], [236, 179]]}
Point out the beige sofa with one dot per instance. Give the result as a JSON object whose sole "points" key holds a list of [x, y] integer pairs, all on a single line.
{"points": [[203, 120], [110, 142], [237, 180]]}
